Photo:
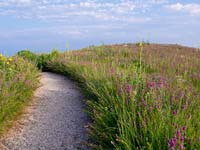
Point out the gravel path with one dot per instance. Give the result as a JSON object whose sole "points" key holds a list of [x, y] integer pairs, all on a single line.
{"points": [[54, 121]]}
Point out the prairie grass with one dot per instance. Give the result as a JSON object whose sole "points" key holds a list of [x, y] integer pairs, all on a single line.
{"points": [[140, 96], [18, 80]]}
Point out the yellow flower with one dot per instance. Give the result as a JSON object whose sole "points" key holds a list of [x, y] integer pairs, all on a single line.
{"points": [[8, 63], [141, 44], [2, 58], [10, 59]]}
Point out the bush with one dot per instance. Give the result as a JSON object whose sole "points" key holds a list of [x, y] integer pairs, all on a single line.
{"points": [[27, 54], [43, 59], [40, 59]]}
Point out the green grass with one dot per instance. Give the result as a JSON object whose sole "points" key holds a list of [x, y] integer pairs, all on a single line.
{"points": [[143, 96], [18, 80]]}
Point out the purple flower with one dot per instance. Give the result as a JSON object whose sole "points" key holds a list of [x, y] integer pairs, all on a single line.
{"points": [[179, 133], [156, 82], [144, 103], [184, 128], [129, 88], [182, 139], [172, 142], [174, 113], [180, 147], [158, 106]]}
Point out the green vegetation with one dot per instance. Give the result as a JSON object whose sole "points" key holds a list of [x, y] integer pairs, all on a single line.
{"points": [[143, 96], [18, 80], [140, 96], [40, 59], [19, 77]]}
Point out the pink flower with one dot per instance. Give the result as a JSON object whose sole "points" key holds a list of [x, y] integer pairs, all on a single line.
{"points": [[172, 143], [179, 133], [182, 139], [184, 128], [180, 147], [174, 113], [129, 88]]}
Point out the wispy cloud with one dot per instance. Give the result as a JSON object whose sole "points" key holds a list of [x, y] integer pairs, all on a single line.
{"points": [[191, 8], [47, 10]]}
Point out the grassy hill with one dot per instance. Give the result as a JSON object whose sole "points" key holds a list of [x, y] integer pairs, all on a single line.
{"points": [[140, 96]]}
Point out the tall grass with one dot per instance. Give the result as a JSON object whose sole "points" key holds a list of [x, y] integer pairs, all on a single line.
{"points": [[140, 97], [18, 80]]}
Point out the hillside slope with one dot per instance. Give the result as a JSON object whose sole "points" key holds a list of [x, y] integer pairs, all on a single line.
{"points": [[141, 96]]}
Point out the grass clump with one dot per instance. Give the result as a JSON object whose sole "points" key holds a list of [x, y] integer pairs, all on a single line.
{"points": [[140, 96], [18, 80]]}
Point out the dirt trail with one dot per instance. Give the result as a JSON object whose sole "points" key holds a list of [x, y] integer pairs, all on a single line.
{"points": [[54, 121]]}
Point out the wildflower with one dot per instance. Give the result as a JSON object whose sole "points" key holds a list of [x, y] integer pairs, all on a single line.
{"points": [[144, 102], [172, 143], [8, 63], [156, 82], [174, 113], [141, 44], [158, 107], [10, 59], [179, 133], [180, 147], [184, 128], [1, 57], [129, 88], [182, 139], [151, 85]]}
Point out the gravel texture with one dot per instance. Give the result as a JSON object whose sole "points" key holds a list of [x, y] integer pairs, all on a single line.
{"points": [[54, 121]]}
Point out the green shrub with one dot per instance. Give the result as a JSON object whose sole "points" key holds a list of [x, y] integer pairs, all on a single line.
{"points": [[27, 54], [43, 59], [40, 59]]}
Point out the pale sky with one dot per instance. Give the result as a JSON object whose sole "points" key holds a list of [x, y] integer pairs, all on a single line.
{"points": [[41, 25]]}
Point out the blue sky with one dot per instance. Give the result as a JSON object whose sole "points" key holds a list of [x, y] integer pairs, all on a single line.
{"points": [[41, 25]]}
